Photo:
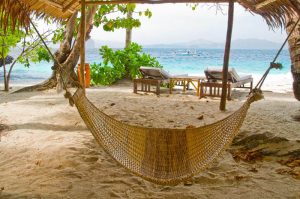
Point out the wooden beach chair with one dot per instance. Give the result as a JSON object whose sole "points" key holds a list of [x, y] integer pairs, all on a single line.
{"points": [[213, 85], [154, 73], [151, 78], [154, 77]]}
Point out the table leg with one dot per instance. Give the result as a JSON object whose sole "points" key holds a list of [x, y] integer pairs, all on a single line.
{"points": [[135, 86], [198, 88]]}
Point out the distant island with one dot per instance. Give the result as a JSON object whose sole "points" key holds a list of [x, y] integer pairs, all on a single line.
{"points": [[199, 43]]}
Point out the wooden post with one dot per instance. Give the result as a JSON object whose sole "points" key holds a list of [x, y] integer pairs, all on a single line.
{"points": [[227, 55], [82, 44], [135, 85], [158, 87]]}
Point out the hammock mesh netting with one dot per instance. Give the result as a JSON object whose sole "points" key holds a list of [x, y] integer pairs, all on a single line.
{"points": [[160, 155]]}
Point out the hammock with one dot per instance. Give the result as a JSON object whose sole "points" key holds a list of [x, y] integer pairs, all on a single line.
{"points": [[160, 155]]}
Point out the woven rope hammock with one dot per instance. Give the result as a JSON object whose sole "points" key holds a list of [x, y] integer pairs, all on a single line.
{"points": [[162, 155]]}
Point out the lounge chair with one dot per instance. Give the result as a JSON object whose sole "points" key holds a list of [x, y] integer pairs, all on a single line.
{"points": [[213, 85], [156, 76], [151, 77], [154, 73]]}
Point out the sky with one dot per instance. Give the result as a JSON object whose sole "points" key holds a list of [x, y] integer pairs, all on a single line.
{"points": [[174, 23]]}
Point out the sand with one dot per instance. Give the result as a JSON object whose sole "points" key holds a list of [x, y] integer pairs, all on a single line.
{"points": [[46, 151]]}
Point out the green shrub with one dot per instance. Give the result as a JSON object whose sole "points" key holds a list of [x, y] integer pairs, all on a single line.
{"points": [[120, 64], [104, 75]]}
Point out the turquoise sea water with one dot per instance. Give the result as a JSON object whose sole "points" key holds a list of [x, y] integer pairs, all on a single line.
{"points": [[194, 61], [177, 61]]}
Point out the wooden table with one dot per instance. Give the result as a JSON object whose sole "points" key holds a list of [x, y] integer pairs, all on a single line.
{"points": [[186, 80]]}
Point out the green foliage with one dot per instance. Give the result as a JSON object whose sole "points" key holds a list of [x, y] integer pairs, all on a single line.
{"points": [[35, 55], [58, 35], [8, 40], [110, 24], [120, 64], [148, 13], [32, 48], [43, 54], [104, 74], [105, 18], [194, 6]]}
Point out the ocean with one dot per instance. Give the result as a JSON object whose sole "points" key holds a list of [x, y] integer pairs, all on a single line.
{"points": [[185, 61]]}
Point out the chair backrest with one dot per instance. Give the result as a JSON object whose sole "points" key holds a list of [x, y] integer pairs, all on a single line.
{"points": [[154, 73], [234, 76], [217, 75]]}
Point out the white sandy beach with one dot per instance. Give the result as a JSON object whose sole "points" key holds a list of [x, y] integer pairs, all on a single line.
{"points": [[46, 151]]}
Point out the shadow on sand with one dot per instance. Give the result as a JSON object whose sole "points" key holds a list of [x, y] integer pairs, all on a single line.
{"points": [[43, 126]]}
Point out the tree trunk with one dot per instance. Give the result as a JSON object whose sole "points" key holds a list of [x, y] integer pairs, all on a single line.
{"points": [[128, 31], [6, 87], [127, 43], [294, 46], [10, 70], [67, 55]]}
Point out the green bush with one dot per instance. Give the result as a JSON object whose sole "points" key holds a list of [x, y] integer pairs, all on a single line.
{"points": [[104, 75], [120, 64]]}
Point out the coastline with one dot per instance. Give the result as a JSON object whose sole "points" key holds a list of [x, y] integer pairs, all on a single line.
{"points": [[48, 152], [246, 62], [275, 82]]}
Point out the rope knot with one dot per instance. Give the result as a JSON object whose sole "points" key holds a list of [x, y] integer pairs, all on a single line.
{"points": [[69, 96], [257, 94], [276, 65]]}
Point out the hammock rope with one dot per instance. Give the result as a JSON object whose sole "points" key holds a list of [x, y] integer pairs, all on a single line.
{"points": [[161, 155], [273, 64]]}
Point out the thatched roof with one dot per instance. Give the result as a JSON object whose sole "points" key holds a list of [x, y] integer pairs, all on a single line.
{"points": [[18, 10], [275, 12]]}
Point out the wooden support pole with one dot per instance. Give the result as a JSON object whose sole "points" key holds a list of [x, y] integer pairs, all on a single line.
{"points": [[82, 44], [227, 55]]}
